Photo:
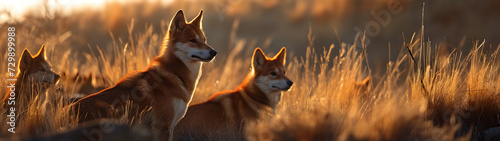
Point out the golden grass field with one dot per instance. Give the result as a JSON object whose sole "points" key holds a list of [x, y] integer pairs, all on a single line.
{"points": [[425, 89]]}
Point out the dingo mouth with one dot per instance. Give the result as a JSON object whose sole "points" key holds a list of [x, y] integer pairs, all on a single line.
{"points": [[203, 59], [197, 57], [283, 89]]}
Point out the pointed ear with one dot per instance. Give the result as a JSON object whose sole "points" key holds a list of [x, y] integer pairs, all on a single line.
{"points": [[258, 59], [25, 60], [41, 52], [178, 23], [197, 19], [88, 77], [363, 86], [366, 82], [281, 56]]}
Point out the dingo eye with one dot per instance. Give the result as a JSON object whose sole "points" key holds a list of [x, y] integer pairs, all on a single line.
{"points": [[193, 41], [273, 74]]}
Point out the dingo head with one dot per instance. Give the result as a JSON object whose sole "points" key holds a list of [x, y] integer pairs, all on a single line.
{"points": [[188, 39], [270, 73], [36, 69]]}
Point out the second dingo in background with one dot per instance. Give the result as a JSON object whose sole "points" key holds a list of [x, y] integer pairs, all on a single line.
{"points": [[261, 90]]}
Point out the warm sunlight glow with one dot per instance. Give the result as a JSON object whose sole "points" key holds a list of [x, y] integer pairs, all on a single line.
{"points": [[17, 8], [345, 70]]}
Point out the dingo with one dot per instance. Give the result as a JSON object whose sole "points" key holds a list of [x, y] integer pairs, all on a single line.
{"points": [[166, 86], [261, 90], [33, 78]]}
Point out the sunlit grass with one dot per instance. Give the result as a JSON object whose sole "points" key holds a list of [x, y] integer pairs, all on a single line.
{"points": [[454, 96]]}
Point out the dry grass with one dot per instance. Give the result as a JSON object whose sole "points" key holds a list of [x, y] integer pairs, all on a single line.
{"points": [[322, 109], [428, 96]]}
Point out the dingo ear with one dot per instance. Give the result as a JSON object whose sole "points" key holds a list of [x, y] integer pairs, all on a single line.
{"points": [[363, 86], [88, 77], [281, 56], [177, 23], [25, 60], [197, 20], [258, 59], [366, 81], [41, 53]]}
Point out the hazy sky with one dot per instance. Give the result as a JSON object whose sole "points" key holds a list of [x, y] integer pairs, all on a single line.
{"points": [[18, 7]]}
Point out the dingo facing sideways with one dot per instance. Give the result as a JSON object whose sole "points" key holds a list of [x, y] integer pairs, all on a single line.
{"points": [[261, 90], [33, 78], [166, 86]]}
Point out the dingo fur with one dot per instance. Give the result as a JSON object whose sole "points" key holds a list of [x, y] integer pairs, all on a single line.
{"points": [[34, 76], [166, 86], [260, 91]]}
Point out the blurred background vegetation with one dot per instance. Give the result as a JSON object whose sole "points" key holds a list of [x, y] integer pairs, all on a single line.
{"points": [[450, 24], [325, 57]]}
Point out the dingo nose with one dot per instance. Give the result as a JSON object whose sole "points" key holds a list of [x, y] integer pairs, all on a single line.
{"points": [[213, 52], [290, 83], [56, 76]]}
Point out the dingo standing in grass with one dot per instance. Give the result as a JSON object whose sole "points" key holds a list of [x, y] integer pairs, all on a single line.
{"points": [[261, 90], [166, 86], [33, 77], [32, 80]]}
